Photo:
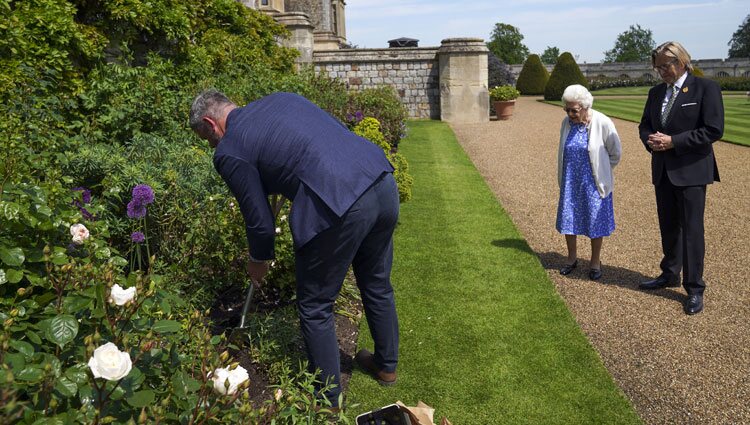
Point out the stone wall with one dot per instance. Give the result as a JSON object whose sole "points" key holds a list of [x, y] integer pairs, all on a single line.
{"points": [[710, 68], [412, 71]]}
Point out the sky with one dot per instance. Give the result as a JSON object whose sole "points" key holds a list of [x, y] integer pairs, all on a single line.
{"points": [[584, 28]]}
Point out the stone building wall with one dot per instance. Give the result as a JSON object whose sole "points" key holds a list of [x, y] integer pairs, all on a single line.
{"points": [[413, 72]]}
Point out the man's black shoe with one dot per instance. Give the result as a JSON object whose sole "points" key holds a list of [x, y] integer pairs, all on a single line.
{"points": [[660, 282], [694, 304]]}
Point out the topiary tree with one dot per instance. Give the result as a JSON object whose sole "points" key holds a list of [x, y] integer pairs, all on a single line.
{"points": [[533, 77], [565, 73]]}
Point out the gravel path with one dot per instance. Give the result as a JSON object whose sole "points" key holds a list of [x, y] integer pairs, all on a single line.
{"points": [[674, 368]]}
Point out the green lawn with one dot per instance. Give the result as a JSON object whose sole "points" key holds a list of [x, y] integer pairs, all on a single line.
{"points": [[485, 338], [643, 91], [736, 113]]}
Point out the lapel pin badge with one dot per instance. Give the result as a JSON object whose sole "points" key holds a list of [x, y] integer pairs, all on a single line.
{"points": [[684, 89]]}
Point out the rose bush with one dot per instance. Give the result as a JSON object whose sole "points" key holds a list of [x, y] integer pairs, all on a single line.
{"points": [[79, 233], [69, 356], [227, 380], [110, 363], [120, 296]]}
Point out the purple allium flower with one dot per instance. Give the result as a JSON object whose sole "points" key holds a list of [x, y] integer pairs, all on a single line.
{"points": [[143, 194], [85, 196], [359, 116], [87, 215], [138, 237], [136, 209]]}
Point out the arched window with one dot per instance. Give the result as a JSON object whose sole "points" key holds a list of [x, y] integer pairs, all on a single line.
{"points": [[647, 76], [746, 74], [601, 76], [624, 76], [264, 2], [722, 74]]}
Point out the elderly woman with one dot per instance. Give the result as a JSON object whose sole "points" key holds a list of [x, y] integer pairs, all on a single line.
{"points": [[589, 150]]}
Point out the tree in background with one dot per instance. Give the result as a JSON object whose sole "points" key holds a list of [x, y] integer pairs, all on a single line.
{"points": [[506, 42], [498, 72], [565, 73], [739, 45], [533, 77], [633, 45], [550, 55]]}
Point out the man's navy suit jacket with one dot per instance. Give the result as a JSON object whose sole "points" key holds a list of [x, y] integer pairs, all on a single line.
{"points": [[695, 121], [285, 144]]}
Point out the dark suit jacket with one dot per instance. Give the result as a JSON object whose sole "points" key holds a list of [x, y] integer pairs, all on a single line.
{"points": [[695, 121], [285, 144]]}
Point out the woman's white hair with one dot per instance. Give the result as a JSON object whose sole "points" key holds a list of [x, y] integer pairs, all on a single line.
{"points": [[578, 94]]}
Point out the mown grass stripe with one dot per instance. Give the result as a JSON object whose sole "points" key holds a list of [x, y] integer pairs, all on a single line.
{"points": [[485, 338]]}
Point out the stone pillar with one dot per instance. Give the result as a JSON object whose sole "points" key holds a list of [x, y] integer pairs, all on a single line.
{"points": [[301, 38], [464, 97], [325, 35]]}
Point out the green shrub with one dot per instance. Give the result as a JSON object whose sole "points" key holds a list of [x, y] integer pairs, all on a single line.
{"points": [[43, 35], [498, 72], [369, 128], [383, 104], [599, 83], [96, 94], [733, 83], [533, 76], [566, 72], [504, 93]]}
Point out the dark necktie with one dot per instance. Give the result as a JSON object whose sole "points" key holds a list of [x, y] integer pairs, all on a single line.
{"points": [[670, 102]]}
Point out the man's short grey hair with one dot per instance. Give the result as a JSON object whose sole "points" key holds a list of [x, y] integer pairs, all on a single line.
{"points": [[578, 94], [210, 103]]}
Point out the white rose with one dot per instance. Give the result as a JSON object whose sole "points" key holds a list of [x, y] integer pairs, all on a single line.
{"points": [[110, 363], [79, 232], [278, 230], [283, 218], [120, 296], [235, 378]]}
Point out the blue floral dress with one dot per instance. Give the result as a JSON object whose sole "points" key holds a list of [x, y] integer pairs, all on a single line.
{"points": [[581, 211]]}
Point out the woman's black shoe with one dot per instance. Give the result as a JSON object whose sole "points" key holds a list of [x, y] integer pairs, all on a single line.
{"points": [[569, 268], [595, 274]]}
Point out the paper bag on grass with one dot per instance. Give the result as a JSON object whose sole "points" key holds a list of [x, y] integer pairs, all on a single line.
{"points": [[421, 414]]}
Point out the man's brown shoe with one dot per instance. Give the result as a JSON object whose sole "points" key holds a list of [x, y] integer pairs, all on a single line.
{"points": [[366, 361]]}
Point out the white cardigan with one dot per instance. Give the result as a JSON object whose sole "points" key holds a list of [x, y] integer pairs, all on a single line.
{"points": [[604, 150]]}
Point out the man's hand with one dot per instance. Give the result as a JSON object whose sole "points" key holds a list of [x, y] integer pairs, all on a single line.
{"points": [[257, 270], [660, 142]]}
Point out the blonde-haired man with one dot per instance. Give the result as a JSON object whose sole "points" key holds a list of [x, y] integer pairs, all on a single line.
{"points": [[682, 118]]}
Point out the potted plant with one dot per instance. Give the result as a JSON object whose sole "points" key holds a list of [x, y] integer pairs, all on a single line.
{"points": [[503, 99]]}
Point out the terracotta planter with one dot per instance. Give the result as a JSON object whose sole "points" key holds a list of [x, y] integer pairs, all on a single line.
{"points": [[504, 109]]}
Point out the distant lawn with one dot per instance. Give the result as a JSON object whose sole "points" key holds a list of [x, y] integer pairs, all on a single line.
{"points": [[485, 338], [643, 91], [736, 113]]}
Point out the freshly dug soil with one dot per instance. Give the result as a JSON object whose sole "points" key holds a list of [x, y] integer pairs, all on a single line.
{"points": [[673, 367], [227, 311]]}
